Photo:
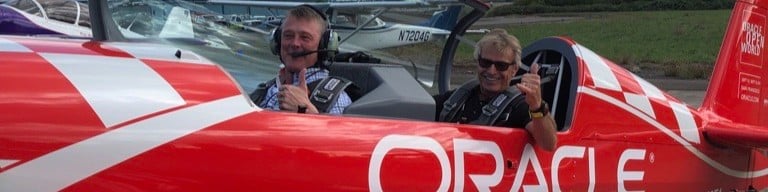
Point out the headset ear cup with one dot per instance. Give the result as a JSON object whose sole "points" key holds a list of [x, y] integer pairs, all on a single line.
{"points": [[322, 45], [274, 43], [333, 43]]}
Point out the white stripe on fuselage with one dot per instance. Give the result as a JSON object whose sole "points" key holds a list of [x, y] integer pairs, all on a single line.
{"points": [[640, 102], [685, 122], [601, 73], [649, 89], [118, 89], [11, 46], [69, 165], [6, 162], [653, 122]]}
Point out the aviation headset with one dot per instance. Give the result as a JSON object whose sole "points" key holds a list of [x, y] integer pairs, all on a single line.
{"points": [[329, 40]]}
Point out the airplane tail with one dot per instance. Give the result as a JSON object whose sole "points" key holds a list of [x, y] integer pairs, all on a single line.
{"points": [[737, 96], [178, 24], [444, 19]]}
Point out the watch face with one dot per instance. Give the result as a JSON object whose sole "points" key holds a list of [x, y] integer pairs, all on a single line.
{"points": [[536, 114]]}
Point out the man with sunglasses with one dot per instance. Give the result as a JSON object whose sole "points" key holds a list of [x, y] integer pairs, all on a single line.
{"points": [[490, 100]]}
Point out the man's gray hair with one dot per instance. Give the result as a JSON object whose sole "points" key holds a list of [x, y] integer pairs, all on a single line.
{"points": [[306, 12], [502, 41]]}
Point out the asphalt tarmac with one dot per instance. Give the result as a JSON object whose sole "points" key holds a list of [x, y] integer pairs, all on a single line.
{"points": [[689, 91], [690, 97]]}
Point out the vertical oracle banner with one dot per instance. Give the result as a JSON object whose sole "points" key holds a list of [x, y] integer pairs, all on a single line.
{"points": [[752, 39], [751, 46]]}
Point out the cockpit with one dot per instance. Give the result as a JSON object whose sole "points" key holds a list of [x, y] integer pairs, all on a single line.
{"points": [[395, 82], [353, 21]]}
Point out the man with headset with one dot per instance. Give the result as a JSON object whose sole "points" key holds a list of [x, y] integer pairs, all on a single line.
{"points": [[303, 42]]}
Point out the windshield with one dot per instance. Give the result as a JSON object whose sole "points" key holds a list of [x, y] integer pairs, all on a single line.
{"points": [[238, 37], [28, 6], [355, 20]]}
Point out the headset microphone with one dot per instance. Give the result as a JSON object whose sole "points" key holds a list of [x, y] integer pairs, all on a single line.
{"points": [[305, 53]]}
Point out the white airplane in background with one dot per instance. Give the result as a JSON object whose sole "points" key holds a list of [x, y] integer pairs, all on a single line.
{"points": [[193, 24], [70, 17], [359, 29], [56, 17], [358, 23]]}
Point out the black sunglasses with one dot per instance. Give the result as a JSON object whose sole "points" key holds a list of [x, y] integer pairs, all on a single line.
{"points": [[500, 65]]}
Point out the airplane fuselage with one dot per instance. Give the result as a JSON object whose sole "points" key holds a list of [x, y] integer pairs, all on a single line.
{"points": [[114, 116], [394, 35], [83, 115]]}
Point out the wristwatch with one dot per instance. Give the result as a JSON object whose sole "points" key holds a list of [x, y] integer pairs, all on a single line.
{"points": [[542, 111], [302, 108]]}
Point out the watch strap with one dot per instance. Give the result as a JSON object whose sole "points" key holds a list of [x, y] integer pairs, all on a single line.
{"points": [[542, 111]]}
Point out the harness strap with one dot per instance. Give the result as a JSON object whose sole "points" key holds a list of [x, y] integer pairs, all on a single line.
{"points": [[257, 96], [459, 96], [499, 105], [326, 93]]}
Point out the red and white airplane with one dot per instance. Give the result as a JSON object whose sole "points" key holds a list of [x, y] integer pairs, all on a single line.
{"points": [[110, 115]]}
